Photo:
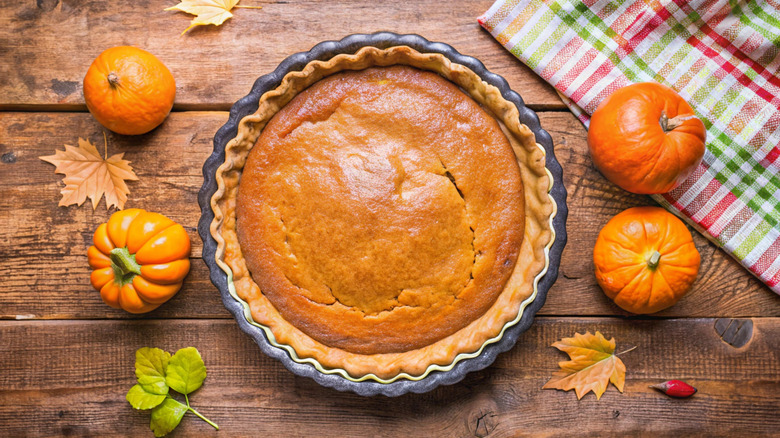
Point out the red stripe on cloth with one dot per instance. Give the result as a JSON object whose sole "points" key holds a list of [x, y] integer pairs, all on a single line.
{"points": [[578, 68], [594, 78], [673, 201], [661, 14], [744, 214], [678, 192], [771, 125], [705, 195], [739, 54], [613, 86], [771, 157], [684, 209], [744, 116], [627, 19], [759, 139], [767, 258], [637, 20], [772, 282], [752, 43], [707, 28], [702, 198], [681, 4], [717, 211], [768, 91], [490, 22], [723, 11], [559, 60], [729, 68], [698, 64]]}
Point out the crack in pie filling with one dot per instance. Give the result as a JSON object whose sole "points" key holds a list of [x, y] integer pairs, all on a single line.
{"points": [[380, 220]]}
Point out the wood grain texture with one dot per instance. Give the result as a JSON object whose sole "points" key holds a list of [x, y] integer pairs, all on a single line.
{"points": [[48, 277], [66, 359], [70, 377], [168, 162], [213, 66]]}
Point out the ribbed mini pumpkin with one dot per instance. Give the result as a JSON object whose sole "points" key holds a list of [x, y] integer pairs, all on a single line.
{"points": [[139, 260], [645, 259]]}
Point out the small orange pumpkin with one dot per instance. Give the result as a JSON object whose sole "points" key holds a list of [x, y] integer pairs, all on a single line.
{"points": [[645, 259], [139, 260], [645, 138], [128, 90]]}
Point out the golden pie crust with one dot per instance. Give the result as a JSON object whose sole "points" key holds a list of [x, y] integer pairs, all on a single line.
{"points": [[379, 220]]}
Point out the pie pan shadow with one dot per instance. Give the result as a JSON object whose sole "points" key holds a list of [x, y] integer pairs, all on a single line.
{"points": [[338, 379]]}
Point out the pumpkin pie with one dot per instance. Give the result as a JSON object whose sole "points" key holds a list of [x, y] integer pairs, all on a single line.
{"points": [[383, 214]]}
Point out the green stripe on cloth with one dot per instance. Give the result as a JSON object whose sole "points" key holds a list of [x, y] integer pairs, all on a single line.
{"points": [[536, 30], [752, 239], [752, 20], [545, 47]]}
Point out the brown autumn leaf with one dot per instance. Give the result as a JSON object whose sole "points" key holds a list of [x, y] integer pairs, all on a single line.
{"points": [[592, 366], [208, 11], [87, 174]]}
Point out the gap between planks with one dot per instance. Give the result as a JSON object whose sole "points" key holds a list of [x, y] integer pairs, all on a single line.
{"points": [[185, 107]]}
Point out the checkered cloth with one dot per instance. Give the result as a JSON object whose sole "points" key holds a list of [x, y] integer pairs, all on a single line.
{"points": [[720, 56]]}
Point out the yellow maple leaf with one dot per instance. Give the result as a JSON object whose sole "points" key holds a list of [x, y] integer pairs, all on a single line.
{"points": [[592, 366], [208, 11], [87, 174]]}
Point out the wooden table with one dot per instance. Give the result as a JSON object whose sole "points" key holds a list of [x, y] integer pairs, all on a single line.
{"points": [[66, 359]]}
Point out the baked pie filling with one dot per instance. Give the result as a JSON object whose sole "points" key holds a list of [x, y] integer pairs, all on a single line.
{"points": [[383, 212]]}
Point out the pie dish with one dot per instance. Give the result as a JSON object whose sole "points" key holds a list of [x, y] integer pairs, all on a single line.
{"points": [[383, 214]]}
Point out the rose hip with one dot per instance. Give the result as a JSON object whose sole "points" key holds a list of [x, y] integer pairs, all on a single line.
{"points": [[675, 388]]}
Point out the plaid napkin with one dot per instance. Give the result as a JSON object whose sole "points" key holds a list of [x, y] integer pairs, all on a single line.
{"points": [[720, 56]]}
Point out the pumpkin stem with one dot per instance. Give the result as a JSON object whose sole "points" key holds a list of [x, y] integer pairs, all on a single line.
{"points": [[652, 262], [113, 79], [668, 124], [124, 265]]}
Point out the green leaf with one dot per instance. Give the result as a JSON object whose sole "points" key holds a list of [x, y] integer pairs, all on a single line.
{"points": [[141, 399], [186, 371], [167, 416], [150, 366]]}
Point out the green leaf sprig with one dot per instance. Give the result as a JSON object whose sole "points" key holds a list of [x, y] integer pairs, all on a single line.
{"points": [[158, 372]]}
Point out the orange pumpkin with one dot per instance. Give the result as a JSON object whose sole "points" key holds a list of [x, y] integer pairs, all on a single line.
{"points": [[645, 138], [139, 260], [645, 259], [128, 90]]}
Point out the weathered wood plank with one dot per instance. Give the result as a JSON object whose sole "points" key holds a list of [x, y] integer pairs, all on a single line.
{"points": [[43, 246], [70, 377], [46, 47]]}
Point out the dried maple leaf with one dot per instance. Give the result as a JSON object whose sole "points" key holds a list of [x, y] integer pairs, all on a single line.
{"points": [[592, 366], [208, 11], [87, 174]]}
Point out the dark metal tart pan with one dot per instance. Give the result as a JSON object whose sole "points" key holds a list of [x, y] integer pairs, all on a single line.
{"points": [[249, 104]]}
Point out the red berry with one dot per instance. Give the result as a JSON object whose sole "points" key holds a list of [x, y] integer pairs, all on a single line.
{"points": [[675, 388]]}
